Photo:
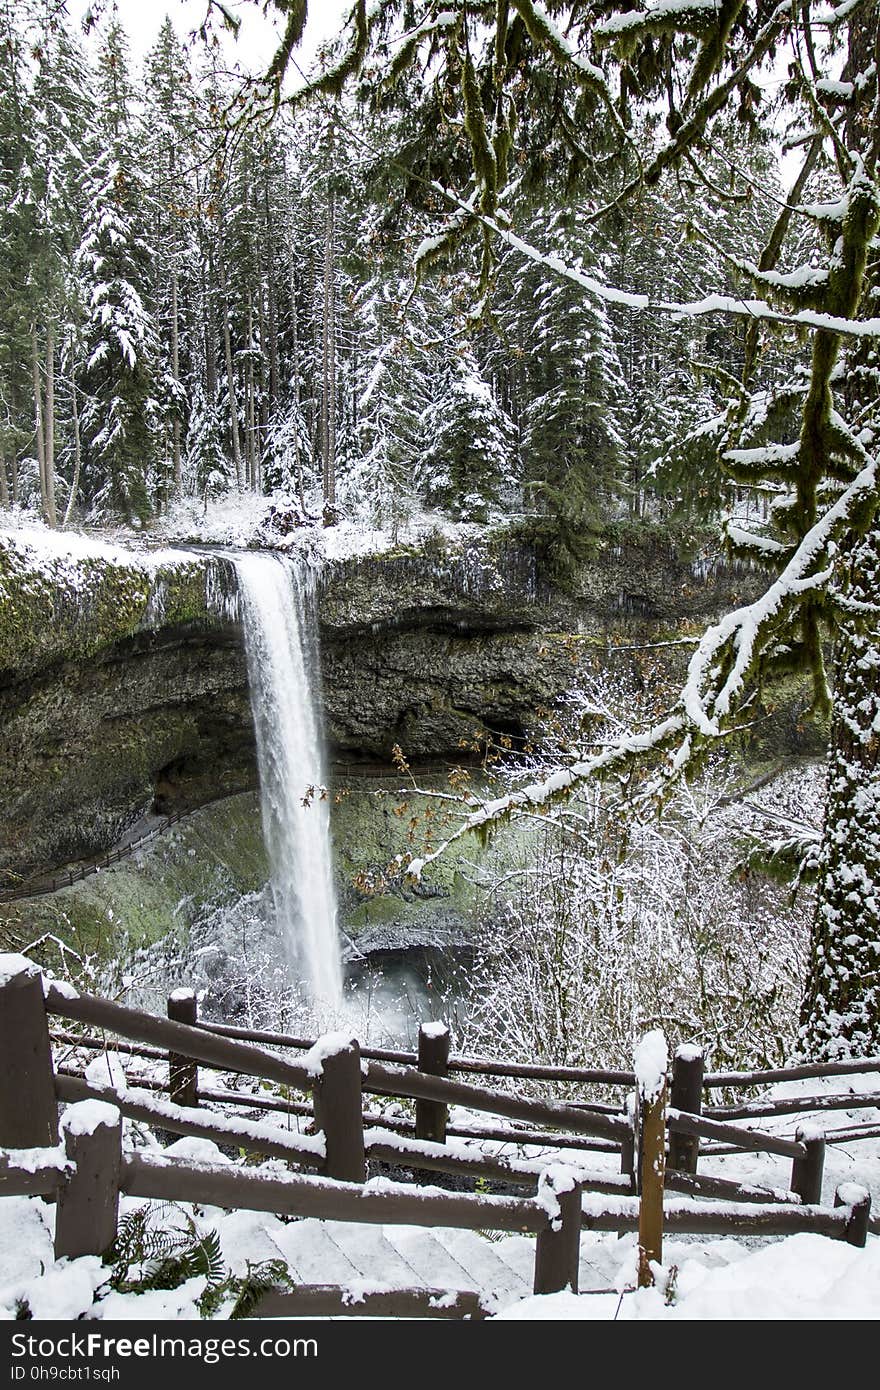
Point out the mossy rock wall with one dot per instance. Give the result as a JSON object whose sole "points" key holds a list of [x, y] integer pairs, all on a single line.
{"points": [[210, 859], [123, 682], [217, 855]]}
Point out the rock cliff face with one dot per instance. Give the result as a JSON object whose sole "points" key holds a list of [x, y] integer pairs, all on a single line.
{"points": [[123, 685]]}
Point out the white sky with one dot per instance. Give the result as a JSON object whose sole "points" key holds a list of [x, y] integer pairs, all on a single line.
{"points": [[258, 36]]}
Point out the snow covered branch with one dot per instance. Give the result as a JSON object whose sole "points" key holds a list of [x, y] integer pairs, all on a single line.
{"points": [[711, 304], [715, 683]]}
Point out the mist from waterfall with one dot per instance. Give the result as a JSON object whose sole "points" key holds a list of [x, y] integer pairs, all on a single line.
{"points": [[277, 602]]}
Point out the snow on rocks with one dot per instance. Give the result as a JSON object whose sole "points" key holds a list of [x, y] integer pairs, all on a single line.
{"points": [[64, 1293], [156, 1305], [67, 557]]}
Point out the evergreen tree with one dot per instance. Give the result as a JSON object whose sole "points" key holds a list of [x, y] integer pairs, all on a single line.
{"points": [[470, 466], [169, 137], [122, 413], [572, 442], [17, 158]]}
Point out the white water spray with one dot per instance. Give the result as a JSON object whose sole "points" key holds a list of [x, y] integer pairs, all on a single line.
{"points": [[277, 609]]}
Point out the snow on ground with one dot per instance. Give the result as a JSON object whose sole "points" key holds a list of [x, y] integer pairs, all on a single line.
{"points": [[237, 520], [60, 554], [803, 1277], [234, 521]]}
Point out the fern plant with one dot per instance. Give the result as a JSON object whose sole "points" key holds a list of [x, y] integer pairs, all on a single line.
{"points": [[268, 1276], [153, 1251]]}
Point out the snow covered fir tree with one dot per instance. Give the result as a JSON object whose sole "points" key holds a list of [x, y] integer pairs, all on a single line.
{"points": [[439, 561]]}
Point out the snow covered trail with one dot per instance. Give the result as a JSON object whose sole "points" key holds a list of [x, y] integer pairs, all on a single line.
{"points": [[803, 1277]]}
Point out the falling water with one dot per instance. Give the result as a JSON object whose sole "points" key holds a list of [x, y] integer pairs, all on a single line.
{"points": [[277, 603]]}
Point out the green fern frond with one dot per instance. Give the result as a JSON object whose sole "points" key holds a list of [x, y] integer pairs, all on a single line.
{"points": [[267, 1277]]}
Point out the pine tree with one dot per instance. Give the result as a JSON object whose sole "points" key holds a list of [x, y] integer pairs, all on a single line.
{"points": [[169, 138], [17, 158], [470, 466], [121, 416], [572, 437]]}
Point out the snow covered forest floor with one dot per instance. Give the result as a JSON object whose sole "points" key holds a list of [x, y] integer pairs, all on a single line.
{"points": [[237, 520]]}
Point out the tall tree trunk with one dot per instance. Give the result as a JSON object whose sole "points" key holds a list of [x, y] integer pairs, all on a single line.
{"points": [[840, 1015], [295, 371], [249, 412], [841, 1008], [328, 441], [208, 330], [49, 428], [4, 483], [175, 372], [77, 453], [265, 389], [230, 379], [272, 302], [39, 435], [260, 372]]}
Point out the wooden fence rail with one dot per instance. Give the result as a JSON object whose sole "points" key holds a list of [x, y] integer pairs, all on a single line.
{"points": [[847, 1221], [795, 1105], [271, 1104], [806, 1071], [602, 1131], [483, 1066]]}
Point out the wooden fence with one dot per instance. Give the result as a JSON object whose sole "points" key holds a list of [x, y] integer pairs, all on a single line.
{"points": [[87, 1170]]}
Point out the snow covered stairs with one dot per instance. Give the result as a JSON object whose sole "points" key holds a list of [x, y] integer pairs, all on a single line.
{"points": [[501, 1271]]}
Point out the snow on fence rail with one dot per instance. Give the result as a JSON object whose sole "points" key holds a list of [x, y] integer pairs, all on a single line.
{"points": [[599, 1075], [87, 1169], [482, 1066]]}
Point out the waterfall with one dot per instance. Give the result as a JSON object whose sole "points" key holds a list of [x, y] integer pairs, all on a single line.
{"points": [[278, 613]]}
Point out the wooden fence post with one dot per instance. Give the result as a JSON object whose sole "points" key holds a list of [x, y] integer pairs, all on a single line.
{"points": [[88, 1200], [629, 1144], [431, 1115], [858, 1199], [28, 1108], [806, 1172], [651, 1061], [339, 1109], [558, 1248], [686, 1094], [183, 1073]]}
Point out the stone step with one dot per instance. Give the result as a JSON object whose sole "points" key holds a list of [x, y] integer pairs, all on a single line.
{"points": [[338, 1252]]}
